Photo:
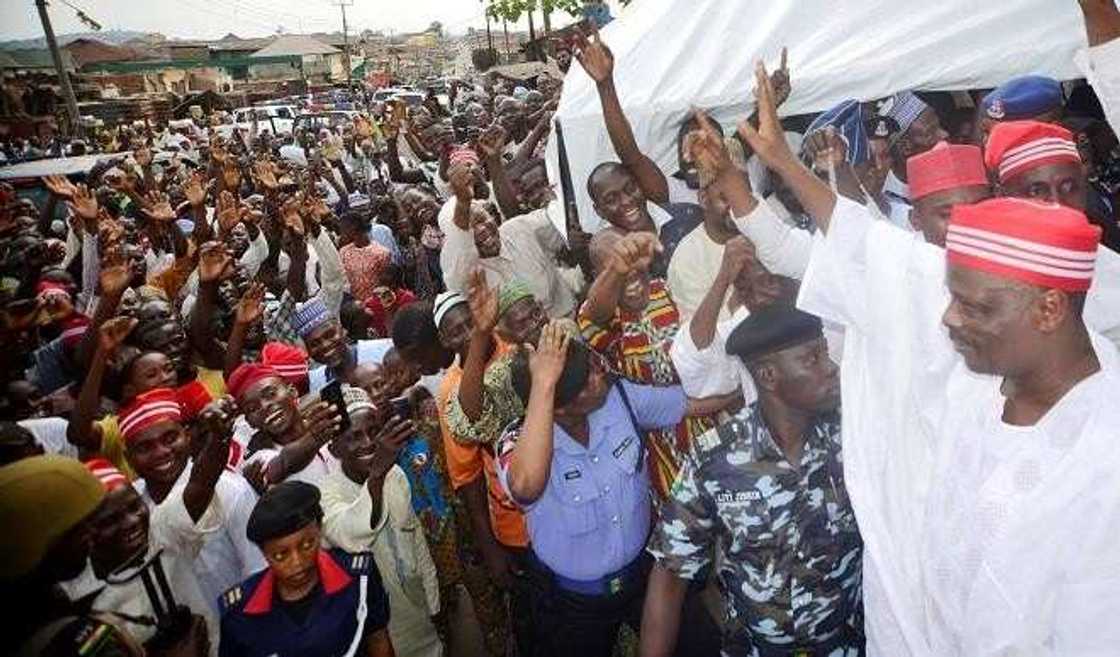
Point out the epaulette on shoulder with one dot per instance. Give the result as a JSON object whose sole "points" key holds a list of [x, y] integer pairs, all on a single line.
{"points": [[232, 598], [358, 563]]}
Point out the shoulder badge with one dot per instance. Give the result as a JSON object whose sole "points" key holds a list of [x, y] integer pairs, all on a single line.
{"points": [[232, 597], [361, 563], [710, 439]]}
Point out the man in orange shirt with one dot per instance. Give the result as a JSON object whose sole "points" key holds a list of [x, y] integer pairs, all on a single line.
{"points": [[499, 526]]}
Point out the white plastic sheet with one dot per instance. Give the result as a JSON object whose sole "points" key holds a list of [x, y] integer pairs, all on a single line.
{"points": [[671, 55]]}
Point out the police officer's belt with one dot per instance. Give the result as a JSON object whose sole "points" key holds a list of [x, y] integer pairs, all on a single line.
{"points": [[621, 581]]}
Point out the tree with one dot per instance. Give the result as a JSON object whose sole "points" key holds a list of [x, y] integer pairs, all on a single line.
{"points": [[436, 27], [511, 10]]}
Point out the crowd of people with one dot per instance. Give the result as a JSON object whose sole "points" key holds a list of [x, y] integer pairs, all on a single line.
{"points": [[351, 391]]}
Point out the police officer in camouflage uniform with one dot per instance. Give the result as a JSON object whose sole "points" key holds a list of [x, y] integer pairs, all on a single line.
{"points": [[769, 485]]}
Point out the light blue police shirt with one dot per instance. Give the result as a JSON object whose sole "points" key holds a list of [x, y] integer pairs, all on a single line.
{"points": [[594, 515]]}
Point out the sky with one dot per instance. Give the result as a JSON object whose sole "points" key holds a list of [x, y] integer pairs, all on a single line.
{"points": [[212, 19]]}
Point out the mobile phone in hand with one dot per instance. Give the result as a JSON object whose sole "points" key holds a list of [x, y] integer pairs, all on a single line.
{"points": [[332, 394], [402, 407]]}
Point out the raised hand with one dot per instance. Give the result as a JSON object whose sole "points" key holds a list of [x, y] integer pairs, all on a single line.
{"points": [[390, 439], [109, 231], [83, 203], [214, 262], [483, 301], [114, 332], [768, 141], [231, 174], [635, 252], [228, 211], [736, 254], [492, 141], [60, 186], [594, 55], [461, 179], [290, 213], [547, 359], [251, 307], [265, 176], [159, 208], [826, 149], [705, 148], [779, 80], [216, 422], [321, 422], [195, 191]]}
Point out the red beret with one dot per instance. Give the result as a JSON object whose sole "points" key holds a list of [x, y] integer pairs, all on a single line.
{"points": [[945, 166], [289, 361], [1041, 244], [1018, 146], [246, 375], [147, 409]]}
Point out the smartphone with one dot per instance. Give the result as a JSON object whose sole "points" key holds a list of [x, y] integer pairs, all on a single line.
{"points": [[332, 394], [402, 408]]}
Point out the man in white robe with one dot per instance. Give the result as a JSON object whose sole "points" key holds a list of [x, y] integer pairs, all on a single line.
{"points": [[982, 468]]}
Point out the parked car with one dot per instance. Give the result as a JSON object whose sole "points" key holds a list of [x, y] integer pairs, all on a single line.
{"points": [[315, 120]]}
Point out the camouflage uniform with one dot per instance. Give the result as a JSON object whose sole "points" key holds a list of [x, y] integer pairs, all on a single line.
{"points": [[791, 566]]}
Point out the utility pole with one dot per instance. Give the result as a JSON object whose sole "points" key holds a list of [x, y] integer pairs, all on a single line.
{"points": [[60, 69], [345, 43], [505, 29]]}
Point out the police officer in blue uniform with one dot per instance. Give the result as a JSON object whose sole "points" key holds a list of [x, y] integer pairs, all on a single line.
{"points": [[309, 602]]}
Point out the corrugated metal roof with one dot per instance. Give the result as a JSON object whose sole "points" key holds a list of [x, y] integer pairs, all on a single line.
{"points": [[296, 44]]}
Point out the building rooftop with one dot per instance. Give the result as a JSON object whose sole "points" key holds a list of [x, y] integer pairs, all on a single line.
{"points": [[295, 44]]}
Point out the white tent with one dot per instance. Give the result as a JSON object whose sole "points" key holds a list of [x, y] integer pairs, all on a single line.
{"points": [[671, 55]]}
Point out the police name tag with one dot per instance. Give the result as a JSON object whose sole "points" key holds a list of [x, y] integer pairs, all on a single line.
{"points": [[730, 497]]}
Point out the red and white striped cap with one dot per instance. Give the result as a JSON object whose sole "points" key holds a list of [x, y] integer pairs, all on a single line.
{"points": [[147, 409], [1018, 146], [1042, 244], [289, 361], [110, 477]]}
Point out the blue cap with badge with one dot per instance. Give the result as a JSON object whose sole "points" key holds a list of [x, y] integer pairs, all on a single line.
{"points": [[1024, 97]]}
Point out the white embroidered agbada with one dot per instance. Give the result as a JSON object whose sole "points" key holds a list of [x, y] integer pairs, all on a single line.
{"points": [[981, 539]]}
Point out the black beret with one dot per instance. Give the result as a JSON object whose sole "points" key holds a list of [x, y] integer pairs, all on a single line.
{"points": [[771, 329], [284, 509]]}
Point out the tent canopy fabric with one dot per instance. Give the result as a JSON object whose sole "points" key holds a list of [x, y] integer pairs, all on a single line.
{"points": [[672, 55]]}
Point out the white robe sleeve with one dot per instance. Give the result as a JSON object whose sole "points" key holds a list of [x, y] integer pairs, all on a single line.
{"points": [[173, 529], [239, 500], [332, 275], [703, 372], [255, 255], [1101, 66], [781, 248], [886, 287]]}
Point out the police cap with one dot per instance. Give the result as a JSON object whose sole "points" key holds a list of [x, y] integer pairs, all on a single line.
{"points": [[773, 328], [285, 509]]}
